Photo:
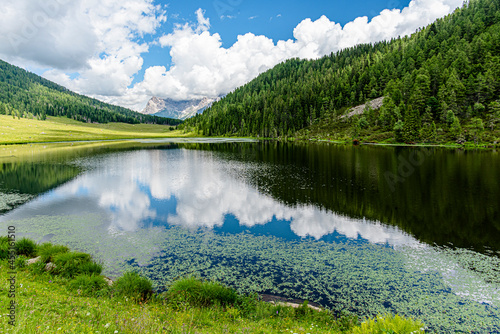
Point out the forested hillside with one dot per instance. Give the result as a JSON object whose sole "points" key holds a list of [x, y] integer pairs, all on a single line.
{"points": [[441, 84], [25, 94]]}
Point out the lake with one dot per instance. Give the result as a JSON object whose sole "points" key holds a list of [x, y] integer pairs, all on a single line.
{"points": [[365, 229]]}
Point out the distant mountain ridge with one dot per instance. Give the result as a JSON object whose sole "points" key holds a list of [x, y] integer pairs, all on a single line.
{"points": [[177, 109]]}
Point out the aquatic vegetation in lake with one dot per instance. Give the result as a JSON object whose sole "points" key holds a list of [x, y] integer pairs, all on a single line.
{"points": [[363, 278], [8, 201]]}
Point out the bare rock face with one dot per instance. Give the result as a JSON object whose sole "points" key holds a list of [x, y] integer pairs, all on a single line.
{"points": [[374, 104], [108, 281], [50, 266], [35, 260], [177, 109]]}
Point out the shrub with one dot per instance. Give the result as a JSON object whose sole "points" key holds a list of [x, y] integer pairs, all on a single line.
{"points": [[26, 247], [48, 251], [88, 285], [72, 264], [134, 286], [202, 294], [389, 324]]}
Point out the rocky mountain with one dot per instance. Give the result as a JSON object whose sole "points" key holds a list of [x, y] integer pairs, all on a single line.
{"points": [[177, 109]]}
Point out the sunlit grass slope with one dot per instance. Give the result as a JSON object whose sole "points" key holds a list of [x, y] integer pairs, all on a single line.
{"points": [[54, 129]]}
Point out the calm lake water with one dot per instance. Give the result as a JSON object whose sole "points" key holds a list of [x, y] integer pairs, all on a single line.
{"points": [[364, 229]]}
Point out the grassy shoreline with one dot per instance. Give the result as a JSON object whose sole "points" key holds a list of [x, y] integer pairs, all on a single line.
{"points": [[72, 297], [62, 130]]}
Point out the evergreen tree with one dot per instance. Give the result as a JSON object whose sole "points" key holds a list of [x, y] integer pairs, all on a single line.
{"points": [[455, 128], [398, 131], [476, 129], [421, 92], [412, 125]]}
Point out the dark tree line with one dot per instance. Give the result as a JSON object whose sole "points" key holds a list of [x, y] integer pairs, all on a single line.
{"points": [[28, 95], [446, 75]]}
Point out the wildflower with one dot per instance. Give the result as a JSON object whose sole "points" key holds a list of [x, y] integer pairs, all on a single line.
{"points": [[107, 325]]}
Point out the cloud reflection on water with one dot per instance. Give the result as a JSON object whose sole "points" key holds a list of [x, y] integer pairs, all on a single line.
{"points": [[132, 187]]}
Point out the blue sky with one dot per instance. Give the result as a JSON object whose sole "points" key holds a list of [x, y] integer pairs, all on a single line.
{"points": [[126, 51], [274, 19]]}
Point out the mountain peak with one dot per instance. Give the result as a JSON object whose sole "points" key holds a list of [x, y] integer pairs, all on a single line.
{"points": [[177, 109]]}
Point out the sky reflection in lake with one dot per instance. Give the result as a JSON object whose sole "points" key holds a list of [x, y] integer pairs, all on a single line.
{"points": [[192, 189]]}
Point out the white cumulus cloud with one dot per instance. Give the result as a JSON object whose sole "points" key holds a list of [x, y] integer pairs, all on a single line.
{"points": [[101, 41], [201, 66]]}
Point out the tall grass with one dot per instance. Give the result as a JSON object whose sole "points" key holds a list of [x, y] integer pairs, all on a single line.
{"points": [[48, 251], [72, 264], [26, 247], [389, 324], [133, 286], [4, 247], [93, 285], [202, 294]]}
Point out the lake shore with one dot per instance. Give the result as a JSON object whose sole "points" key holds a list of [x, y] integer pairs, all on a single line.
{"points": [[61, 130], [63, 298]]}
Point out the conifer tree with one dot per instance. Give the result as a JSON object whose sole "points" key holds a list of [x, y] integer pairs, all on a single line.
{"points": [[412, 125]]}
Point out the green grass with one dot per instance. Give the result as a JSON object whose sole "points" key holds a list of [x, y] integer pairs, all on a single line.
{"points": [[54, 303], [72, 264], [26, 247], [4, 247], [85, 285], [202, 294], [48, 251], [55, 129], [389, 324], [132, 285]]}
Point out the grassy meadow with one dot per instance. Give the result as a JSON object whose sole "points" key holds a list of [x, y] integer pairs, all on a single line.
{"points": [[61, 129]]}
